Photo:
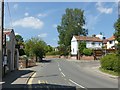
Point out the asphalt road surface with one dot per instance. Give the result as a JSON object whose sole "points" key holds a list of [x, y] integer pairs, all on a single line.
{"points": [[69, 74]]}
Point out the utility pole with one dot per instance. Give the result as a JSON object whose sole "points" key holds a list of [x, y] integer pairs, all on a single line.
{"points": [[1, 38]]}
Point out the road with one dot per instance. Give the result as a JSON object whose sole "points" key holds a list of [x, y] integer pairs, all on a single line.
{"points": [[63, 73]]}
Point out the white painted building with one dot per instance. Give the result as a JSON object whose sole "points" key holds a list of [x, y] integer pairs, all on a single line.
{"points": [[11, 51], [91, 42], [111, 42]]}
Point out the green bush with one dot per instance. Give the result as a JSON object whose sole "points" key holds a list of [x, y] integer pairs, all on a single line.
{"points": [[87, 52], [110, 62], [53, 53]]}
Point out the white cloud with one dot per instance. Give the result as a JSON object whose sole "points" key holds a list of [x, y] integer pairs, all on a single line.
{"points": [[26, 14], [91, 21], [29, 22], [17, 34], [42, 15], [15, 6], [42, 35], [55, 25], [102, 9]]}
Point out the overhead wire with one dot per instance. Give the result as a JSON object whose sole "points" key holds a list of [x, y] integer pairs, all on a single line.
{"points": [[11, 21]]}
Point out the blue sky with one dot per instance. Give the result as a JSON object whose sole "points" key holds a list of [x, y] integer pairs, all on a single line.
{"points": [[39, 19]]}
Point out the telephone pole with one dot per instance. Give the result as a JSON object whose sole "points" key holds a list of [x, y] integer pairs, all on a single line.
{"points": [[1, 38]]}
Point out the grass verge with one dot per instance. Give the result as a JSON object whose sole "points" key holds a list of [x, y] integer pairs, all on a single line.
{"points": [[109, 72]]}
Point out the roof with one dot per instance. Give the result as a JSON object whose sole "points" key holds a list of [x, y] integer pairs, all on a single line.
{"points": [[7, 31], [85, 38], [111, 38], [105, 41]]}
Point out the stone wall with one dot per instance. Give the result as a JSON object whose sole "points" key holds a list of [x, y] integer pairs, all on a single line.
{"points": [[25, 63]]}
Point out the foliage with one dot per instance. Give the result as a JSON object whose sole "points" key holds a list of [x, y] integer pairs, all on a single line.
{"points": [[71, 24], [87, 51], [81, 47], [53, 53], [49, 48], [19, 38], [35, 47], [64, 50], [20, 42], [110, 62], [117, 34], [21, 52]]}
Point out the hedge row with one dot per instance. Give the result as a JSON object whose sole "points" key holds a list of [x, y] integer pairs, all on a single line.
{"points": [[110, 62]]}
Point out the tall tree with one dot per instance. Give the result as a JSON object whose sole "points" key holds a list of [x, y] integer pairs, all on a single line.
{"points": [[20, 42], [117, 34], [72, 23]]}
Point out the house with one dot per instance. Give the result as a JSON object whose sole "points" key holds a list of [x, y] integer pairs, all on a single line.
{"points": [[11, 54], [111, 42], [91, 42]]}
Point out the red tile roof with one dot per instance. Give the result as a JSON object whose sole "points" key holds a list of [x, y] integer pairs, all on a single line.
{"points": [[111, 38], [85, 38]]}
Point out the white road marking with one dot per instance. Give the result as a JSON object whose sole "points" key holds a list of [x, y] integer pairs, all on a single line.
{"points": [[76, 83], [63, 74], [58, 64], [39, 82], [60, 69], [31, 79]]}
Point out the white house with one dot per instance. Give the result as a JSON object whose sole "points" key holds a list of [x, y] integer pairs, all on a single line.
{"points": [[91, 42], [111, 42], [10, 50]]}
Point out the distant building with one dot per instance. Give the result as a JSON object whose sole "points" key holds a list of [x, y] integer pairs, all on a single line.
{"points": [[91, 42]]}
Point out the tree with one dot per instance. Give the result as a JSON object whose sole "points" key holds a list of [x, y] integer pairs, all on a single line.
{"points": [[20, 42], [72, 23], [81, 47], [35, 47], [117, 34], [49, 48], [19, 38]]}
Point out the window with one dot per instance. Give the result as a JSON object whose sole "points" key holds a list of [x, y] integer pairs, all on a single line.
{"points": [[93, 43], [110, 42], [73, 49], [99, 43]]}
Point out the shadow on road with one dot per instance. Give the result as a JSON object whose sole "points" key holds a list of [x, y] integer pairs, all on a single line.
{"points": [[40, 87], [46, 61], [11, 77], [49, 87]]}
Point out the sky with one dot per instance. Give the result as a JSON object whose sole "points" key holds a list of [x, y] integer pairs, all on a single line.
{"points": [[40, 19]]}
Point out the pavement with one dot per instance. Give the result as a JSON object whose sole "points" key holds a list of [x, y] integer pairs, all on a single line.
{"points": [[16, 79]]}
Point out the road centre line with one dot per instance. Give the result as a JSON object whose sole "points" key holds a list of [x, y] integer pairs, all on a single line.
{"points": [[60, 69], [58, 64], [31, 79], [63, 74], [76, 83]]}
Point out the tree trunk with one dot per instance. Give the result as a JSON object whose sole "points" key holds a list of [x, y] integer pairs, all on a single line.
{"points": [[40, 59], [36, 59]]}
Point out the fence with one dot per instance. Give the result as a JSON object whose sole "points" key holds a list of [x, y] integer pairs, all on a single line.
{"points": [[101, 52]]}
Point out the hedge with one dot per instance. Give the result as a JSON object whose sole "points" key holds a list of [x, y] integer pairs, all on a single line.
{"points": [[87, 52], [110, 62]]}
